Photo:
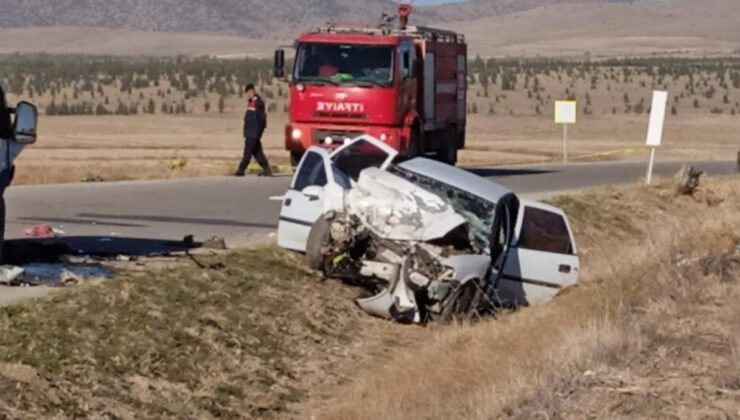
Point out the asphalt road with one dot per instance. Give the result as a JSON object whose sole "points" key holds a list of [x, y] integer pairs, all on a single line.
{"points": [[139, 216]]}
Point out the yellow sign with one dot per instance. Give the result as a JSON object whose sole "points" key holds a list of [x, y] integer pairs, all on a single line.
{"points": [[565, 112]]}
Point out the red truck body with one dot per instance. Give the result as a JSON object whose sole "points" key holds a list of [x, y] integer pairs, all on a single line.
{"points": [[404, 85]]}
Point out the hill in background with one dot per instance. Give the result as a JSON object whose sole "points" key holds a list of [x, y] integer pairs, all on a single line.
{"points": [[255, 27], [253, 18]]}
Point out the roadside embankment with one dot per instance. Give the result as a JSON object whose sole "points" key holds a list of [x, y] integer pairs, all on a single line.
{"points": [[254, 334]]}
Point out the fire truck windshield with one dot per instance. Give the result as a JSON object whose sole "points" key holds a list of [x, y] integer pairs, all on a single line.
{"points": [[344, 64]]}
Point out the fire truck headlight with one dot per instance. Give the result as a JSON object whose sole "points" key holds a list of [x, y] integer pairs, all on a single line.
{"points": [[296, 134], [328, 140], [384, 137]]}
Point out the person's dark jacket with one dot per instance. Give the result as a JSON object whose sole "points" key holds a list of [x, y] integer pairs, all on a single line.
{"points": [[6, 123], [255, 119]]}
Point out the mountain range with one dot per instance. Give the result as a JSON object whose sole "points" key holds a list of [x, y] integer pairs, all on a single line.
{"points": [[253, 27], [253, 18]]}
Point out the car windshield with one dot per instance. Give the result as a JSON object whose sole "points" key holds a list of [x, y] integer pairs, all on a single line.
{"points": [[477, 211], [345, 64]]}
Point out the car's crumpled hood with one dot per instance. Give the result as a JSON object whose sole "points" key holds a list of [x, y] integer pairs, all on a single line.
{"points": [[396, 209]]}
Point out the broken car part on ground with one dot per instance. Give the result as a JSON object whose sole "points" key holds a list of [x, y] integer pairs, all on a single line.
{"points": [[430, 240]]}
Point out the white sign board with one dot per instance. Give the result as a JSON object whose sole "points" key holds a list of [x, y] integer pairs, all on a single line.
{"points": [[565, 112], [657, 118]]}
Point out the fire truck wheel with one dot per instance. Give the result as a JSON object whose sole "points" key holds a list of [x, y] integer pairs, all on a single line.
{"points": [[414, 149], [295, 158], [448, 154]]}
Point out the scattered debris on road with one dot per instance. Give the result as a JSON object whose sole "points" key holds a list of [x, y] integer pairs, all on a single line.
{"points": [[8, 274], [52, 274], [43, 231], [215, 242]]}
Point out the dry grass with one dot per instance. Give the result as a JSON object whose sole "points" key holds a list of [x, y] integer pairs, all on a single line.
{"points": [[243, 338], [264, 338], [73, 149], [489, 369], [142, 147]]}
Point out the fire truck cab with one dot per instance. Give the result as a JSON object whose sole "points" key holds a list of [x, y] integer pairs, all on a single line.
{"points": [[405, 85]]}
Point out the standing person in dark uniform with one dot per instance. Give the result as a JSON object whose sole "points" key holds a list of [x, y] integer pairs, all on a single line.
{"points": [[6, 126], [255, 122]]}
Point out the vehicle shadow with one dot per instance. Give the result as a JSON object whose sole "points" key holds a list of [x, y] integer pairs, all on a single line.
{"points": [[24, 251], [504, 172]]}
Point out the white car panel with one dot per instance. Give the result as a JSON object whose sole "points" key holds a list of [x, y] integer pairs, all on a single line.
{"points": [[533, 271]]}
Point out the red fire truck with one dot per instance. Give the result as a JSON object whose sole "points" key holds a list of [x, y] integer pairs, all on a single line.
{"points": [[405, 85]]}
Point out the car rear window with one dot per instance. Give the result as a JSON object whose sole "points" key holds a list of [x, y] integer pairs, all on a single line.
{"points": [[358, 157], [545, 231]]}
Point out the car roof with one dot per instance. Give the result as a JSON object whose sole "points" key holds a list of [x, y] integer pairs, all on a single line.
{"points": [[458, 178]]}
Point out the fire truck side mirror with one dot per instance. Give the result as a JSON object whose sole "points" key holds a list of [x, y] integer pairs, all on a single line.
{"points": [[279, 71]]}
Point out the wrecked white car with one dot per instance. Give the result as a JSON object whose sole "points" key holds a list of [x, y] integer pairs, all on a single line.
{"points": [[431, 240]]}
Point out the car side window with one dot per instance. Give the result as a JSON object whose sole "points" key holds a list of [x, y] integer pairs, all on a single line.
{"points": [[311, 173], [340, 178], [545, 231]]}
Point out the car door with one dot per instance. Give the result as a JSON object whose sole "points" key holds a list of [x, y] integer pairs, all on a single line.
{"points": [[303, 203], [543, 257], [361, 153]]}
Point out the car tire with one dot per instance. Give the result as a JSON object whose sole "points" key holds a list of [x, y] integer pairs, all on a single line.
{"points": [[463, 303], [318, 238]]}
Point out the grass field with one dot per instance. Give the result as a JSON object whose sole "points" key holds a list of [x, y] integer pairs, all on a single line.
{"points": [[650, 331], [253, 334], [76, 148], [110, 118]]}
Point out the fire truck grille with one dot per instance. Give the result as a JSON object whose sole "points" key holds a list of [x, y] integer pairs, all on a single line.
{"points": [[337, 136], [340, 115]]}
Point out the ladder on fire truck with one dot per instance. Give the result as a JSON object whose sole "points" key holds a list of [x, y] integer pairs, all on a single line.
{"points": [[386, 28]]}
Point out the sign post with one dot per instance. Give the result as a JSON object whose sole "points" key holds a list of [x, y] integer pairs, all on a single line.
{"points": [[655, 130], [565, 114]]}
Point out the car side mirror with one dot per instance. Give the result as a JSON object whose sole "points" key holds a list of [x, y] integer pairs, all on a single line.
{"points": [[279, 70], [26, 120]]}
